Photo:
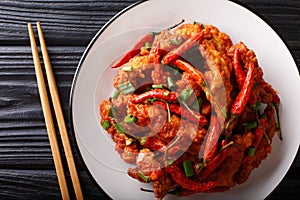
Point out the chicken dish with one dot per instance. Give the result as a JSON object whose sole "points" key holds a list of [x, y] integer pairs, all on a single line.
{"points": [[191, 111]]}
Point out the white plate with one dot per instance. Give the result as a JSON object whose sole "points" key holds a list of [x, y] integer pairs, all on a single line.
{"points": [[94, 80]]}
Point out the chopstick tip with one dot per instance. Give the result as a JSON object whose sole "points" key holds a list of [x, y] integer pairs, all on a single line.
{"points": [[29, 25]]}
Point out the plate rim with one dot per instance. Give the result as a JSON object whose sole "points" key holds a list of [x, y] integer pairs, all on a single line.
{"points": [[71, 97], [92, 42]]}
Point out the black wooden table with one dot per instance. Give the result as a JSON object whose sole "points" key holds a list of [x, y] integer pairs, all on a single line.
{"points": [[26, 164]]}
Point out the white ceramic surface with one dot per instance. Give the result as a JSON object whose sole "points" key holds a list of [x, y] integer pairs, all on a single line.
{"points": [[94, 82]]}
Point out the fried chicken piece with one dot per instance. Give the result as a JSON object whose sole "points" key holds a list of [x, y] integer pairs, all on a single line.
{"points": [[261, 152], [213, 48]]}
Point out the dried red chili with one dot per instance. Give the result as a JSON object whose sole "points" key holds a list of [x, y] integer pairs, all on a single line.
{"points": [[179, 177], [195, 74], [214, 163], [134, 51], [211, 144], [242, 98], [238, 70], [175, 53]]}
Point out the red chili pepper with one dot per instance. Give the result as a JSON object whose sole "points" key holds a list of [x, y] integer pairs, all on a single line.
{"points": [[190, 69], [180, 110], [238, 70], [215, 162], [157, 93], [259, 132], [180, 178], [241, 100], [211, 144], [175, 53], [134, 51], [195, 74]]}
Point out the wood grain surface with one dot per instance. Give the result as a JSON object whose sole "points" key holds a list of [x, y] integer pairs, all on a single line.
{"points": [[26, 165]]}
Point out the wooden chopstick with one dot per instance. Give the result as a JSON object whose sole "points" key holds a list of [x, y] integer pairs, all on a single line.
{"points": [[58, 114], [48, 117]]}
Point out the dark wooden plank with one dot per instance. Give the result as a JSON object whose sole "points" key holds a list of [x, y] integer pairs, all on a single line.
{"points": [[40, 185], [23, 137], [70, 22], [74, 22]]}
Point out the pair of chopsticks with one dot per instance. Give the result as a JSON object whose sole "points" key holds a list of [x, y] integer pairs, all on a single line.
{"points": [[59, 116]]}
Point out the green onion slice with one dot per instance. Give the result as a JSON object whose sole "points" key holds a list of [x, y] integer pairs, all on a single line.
{"points": [[105, 124], [111, 112], [158, 86], [119, 128], [130, 119], [151, 100], [251, 151], [143, 176], [126, 87], [127, 68], [250, 125], [186, 93], [166, 93], [188, 168], [171, 83], [115, 93], [147, 45]]}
